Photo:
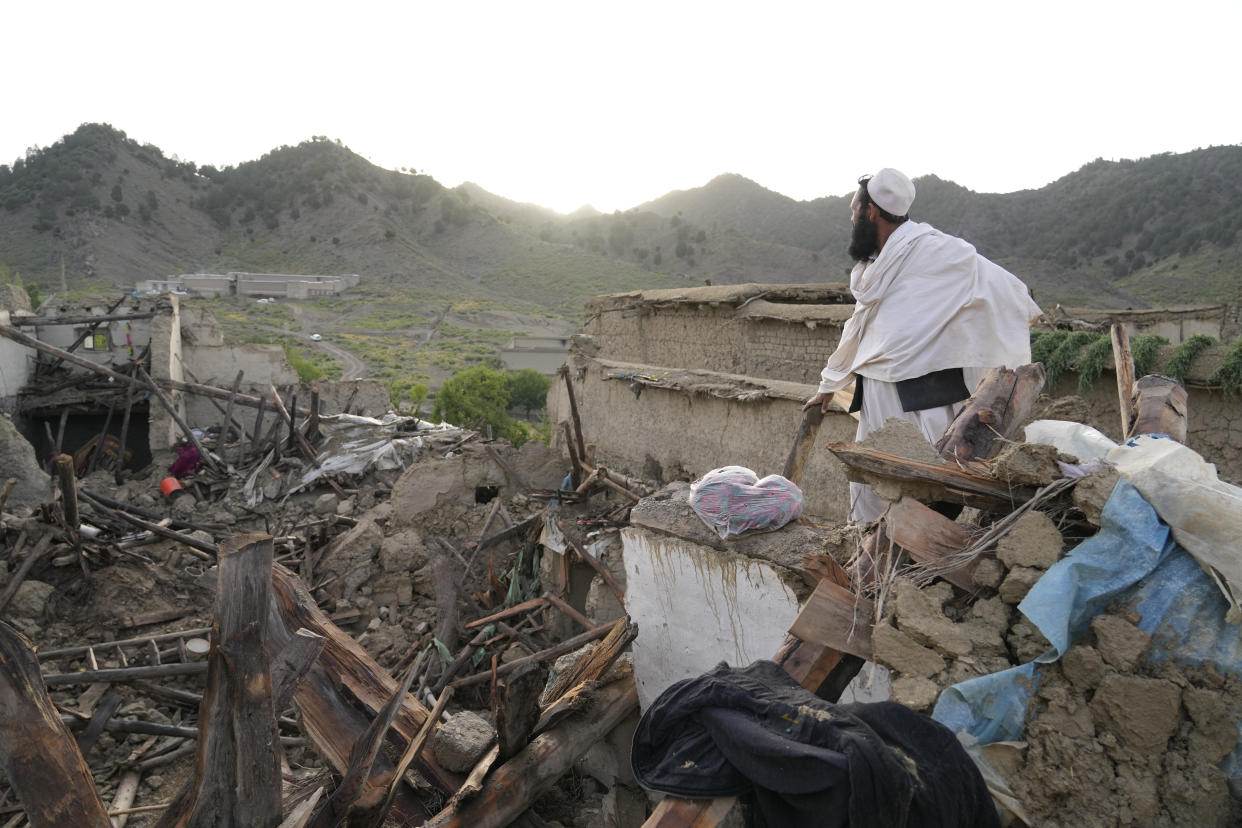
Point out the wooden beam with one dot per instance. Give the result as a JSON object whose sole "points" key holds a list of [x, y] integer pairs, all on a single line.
{"points": [[835, 617], [1159, 408], [236, 776], [803, 442], [50, 321], [1001, 403], [1123, 358], [950, 482], [41, 761], [511, 788], [929, 537]]}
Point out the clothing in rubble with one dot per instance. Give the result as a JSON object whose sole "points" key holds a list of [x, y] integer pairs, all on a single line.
{"points": [[805, 762]]}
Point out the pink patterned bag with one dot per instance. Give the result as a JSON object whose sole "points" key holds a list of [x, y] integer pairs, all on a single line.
{"points": [[732, 499]]}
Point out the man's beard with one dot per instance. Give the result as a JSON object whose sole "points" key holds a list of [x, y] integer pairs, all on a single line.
{"points": [[865, 240]]}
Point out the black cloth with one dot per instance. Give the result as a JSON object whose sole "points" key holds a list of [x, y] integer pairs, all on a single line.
{"points": [[807, 763], [928, 391]]}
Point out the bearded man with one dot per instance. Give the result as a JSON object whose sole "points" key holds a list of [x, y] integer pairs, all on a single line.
{"points": [[931, 318]]}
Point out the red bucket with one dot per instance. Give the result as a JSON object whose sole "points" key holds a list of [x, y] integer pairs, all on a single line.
{"points": [[169, 485]]}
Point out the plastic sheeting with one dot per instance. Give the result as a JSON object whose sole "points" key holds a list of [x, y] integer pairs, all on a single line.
{"points": [[1204, 512], [1134, 562]]}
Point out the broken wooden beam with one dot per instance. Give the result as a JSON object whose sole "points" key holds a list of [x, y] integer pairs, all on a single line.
{"points": [[126, 675], [40, 759], [1159, 408], [929, 537], [32, 557], [998, 406], [236, 776], [51, 321], [511, 788], [344, 688], [1123, 360], [949, 482], [567, 646], [837, 618], [803, 442]]}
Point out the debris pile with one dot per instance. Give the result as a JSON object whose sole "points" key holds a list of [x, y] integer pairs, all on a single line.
{"points": [[366, 603], [1129, 715]]}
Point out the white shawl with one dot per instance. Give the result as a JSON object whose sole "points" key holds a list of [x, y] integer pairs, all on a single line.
{"points": [[929, 302]]}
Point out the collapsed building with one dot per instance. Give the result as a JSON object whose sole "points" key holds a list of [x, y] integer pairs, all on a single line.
{"points": [[364, 610]]}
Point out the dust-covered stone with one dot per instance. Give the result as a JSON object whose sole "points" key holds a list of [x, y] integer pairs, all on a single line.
{"points": [[1120, 643], [900, 652], [1034, 541], [1143, 712], [460, 743]]}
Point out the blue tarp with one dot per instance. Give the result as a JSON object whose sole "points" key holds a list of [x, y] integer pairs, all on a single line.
{"points": [[1134, 562]]}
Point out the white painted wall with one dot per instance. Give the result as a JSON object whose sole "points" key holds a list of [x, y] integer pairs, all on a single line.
{"points": [[696, 607]]}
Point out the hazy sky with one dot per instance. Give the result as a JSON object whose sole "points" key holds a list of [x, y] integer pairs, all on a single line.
{"points": [[571, 103]]}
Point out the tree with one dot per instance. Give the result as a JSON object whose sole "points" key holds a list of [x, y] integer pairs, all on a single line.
{"points": [[527, 388], [477, 398]]}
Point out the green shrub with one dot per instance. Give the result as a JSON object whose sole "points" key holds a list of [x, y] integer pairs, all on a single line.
{"points": [[1178, 365]]}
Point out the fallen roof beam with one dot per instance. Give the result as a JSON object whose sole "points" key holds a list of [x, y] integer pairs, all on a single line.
{"points": [[46, 321], [954, 482]]}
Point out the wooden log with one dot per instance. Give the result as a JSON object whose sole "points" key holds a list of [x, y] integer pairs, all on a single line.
{"points": [[236, 777], [228, 415], [575, 462], [594, 665], [93, 321], [515, 708], [37, 552], [312, 424], [1000, 404], [258, 429], [99, 719], [292, 663], [803, 442], [362, 789], [287, 418], [1123, 359], [1159, 407], [573, 413], [199, 549], [68, 493], [344, 689], [40, 760], [516, 609], [511, 788], [125, 675], [949, 482]]}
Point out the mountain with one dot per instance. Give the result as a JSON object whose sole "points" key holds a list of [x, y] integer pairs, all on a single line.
{"points": [[102, 209]]}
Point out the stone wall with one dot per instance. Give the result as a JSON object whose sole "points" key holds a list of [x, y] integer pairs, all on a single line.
{"points": [[741, 329], [682, 431]]}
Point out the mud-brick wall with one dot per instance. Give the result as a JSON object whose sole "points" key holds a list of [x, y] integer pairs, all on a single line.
{"points": [[1214, 427], [673, 435], [718, 338]]}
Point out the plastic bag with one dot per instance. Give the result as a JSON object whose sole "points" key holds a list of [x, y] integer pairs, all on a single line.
{"points": [[1082, 441], [733, 499]]}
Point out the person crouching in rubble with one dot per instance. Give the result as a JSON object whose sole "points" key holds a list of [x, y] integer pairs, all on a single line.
{"points": [[186, 462], [931, 318]]}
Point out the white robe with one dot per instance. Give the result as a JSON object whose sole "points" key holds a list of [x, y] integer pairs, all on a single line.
{"points": [[928, 302]]}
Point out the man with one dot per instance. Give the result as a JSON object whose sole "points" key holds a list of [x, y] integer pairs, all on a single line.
{"points": [[931, 318]]}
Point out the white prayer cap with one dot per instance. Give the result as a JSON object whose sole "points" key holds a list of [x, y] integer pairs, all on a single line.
{"points": [[891, 190]]}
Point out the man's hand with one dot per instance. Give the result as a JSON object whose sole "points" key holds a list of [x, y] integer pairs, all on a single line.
{"points": [[822, 400]]}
